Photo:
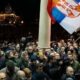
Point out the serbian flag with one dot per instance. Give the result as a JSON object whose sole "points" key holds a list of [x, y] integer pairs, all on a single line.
{"points": [[66, 13]]}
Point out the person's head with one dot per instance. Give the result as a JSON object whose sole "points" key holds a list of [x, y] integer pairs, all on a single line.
{"points": [[27, 72], [69, 44], [75, 45], [30, 49], [70, 57], [69, 52], [39, 67], [34, 45], [17, 47], [2, 76], [11, 54], [57, 56], [59, 45], [62, 49], [25, 55], [10, 67], [71, 47], [21, 75], [69, 71], [1, 53], [16, 55]]}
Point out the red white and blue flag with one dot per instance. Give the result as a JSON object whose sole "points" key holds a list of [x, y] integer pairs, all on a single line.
{"points": [[66, 13]]}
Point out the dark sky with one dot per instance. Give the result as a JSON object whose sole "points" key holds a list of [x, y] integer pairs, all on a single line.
{"points": [[28, 9]]}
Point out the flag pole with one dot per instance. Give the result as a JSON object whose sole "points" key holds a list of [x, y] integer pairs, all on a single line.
{"points": [[44, 26]]}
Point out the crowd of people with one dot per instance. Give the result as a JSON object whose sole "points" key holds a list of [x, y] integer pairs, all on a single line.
{"points": [[26, 61]]}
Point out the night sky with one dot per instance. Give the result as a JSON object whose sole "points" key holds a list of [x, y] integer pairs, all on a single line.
{"points": [[28, 10]]}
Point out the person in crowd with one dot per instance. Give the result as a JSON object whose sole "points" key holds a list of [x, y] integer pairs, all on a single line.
{"points": [[69, 74], [24, 61], [10, 70], [54, 66], [9, 55], [31, 52], [32, 65], [20, 75], [28, 74], [2, 76], [17, 59], [39, 73], [73, 62], [17, 47]]}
